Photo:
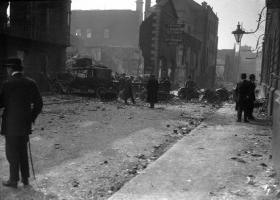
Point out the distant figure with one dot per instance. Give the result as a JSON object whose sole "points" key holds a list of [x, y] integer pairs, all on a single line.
{"points": [[243, 95], [127, 90], [22, 103], [166, 83], [122, 79], [190, 84], [152, 89], [252, 96]]}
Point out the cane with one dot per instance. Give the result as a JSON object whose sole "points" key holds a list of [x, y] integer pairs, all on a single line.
{"points": [[31, 160]]}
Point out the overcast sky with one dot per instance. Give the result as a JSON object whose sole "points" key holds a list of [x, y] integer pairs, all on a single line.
{"points": [[228, 11]]}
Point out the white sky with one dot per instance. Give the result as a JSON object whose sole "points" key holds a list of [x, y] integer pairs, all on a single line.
{"points": [[229, 13]]}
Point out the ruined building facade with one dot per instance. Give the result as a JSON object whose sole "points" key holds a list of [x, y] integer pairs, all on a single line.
{"points": [[159, 54], [38, 33], [271, 73], [109, 37], [194, 51]]}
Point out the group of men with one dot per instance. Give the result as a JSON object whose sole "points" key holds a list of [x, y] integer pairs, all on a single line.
{"points": [[126, 91], [245, 98]]}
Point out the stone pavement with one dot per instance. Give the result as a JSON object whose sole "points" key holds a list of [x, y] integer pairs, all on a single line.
{"points": [[221, 159]]}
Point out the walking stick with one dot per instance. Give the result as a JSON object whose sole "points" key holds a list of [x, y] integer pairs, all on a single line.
{"points": [[31, 160]]}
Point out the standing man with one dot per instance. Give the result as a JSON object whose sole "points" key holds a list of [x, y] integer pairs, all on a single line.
{"points": [[22, 103], [128, 91], [243, 93], [152, 90], [252, 96], [190, 84]]}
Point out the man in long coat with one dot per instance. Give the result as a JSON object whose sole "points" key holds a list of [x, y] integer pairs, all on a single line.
{"points": [[128, 91], [152, 90], [252, 96], [22, 103], [243, 93]]}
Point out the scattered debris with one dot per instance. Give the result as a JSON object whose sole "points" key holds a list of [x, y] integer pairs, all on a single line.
{"points": [[263, 165], [141, 156], [75, 183], [238, 159], [251, 179], [256, 155]]}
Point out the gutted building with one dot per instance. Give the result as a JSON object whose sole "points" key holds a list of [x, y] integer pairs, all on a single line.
{"points": [[271, 73], [201, 23], [225, 60], [158, 51], [191, 42], [38, 33], [109, 37]]}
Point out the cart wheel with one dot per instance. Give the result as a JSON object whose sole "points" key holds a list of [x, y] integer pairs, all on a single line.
{"points": [[100, 92]]}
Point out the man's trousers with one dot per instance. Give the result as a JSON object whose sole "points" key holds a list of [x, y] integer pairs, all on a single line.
{"points": [[17, 156]]}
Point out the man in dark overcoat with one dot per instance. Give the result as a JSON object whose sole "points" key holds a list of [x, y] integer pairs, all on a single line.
{"points": [[22, 103], [252, 96], [128, 91], [152, 90], [243, 93]]}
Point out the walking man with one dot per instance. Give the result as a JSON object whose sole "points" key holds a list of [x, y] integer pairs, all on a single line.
{"points": [[252, 96], [243, 93], [22, 103], [152, 89]]}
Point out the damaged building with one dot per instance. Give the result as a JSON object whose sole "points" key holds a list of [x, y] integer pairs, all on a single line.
{"points": [[109, 37], [191, 37], [38, 33], [159, 54], [270, 76]]}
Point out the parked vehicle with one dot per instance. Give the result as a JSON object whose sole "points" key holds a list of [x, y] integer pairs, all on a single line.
{"points": [[93, 80]]}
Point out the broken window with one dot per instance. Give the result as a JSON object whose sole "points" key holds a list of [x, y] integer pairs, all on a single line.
{"points": [[78, 33], [89, 34], [106, 33]]}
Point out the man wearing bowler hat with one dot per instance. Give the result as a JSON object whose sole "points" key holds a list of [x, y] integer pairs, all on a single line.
{"points": [[22, 103]]}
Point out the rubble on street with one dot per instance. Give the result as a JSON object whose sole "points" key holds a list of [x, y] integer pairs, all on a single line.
{"points": [[84, 148]]}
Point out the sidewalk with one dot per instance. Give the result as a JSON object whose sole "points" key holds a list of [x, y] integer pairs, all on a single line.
{"points": [[221, 159]]}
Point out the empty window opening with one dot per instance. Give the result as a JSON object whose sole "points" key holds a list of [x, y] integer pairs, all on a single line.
{"points": [[78, 33], [89, 33], [106, 33]]}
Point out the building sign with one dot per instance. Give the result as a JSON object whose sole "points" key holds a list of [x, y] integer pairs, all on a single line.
{"points": [[175, 28], [175, 33]]}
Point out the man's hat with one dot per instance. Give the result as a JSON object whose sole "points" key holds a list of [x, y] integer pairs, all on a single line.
{"points": [[14, 63], [243, 76], [252, 76]]}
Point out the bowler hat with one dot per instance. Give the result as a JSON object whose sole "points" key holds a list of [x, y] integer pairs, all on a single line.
{"points": [[14, 63]]}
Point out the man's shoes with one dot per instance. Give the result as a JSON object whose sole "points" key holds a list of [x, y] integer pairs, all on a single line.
{"points": [[9, 183], [25, 182], [246, 121], [239, 120]]}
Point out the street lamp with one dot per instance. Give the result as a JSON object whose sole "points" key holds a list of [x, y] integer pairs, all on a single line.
{"points": [[238, 34]]}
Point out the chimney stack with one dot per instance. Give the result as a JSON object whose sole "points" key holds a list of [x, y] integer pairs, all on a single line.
{"points": [[147, 7], [139, 9]]}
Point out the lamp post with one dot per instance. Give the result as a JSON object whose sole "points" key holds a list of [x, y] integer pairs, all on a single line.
{"points": [[238, 34]]}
